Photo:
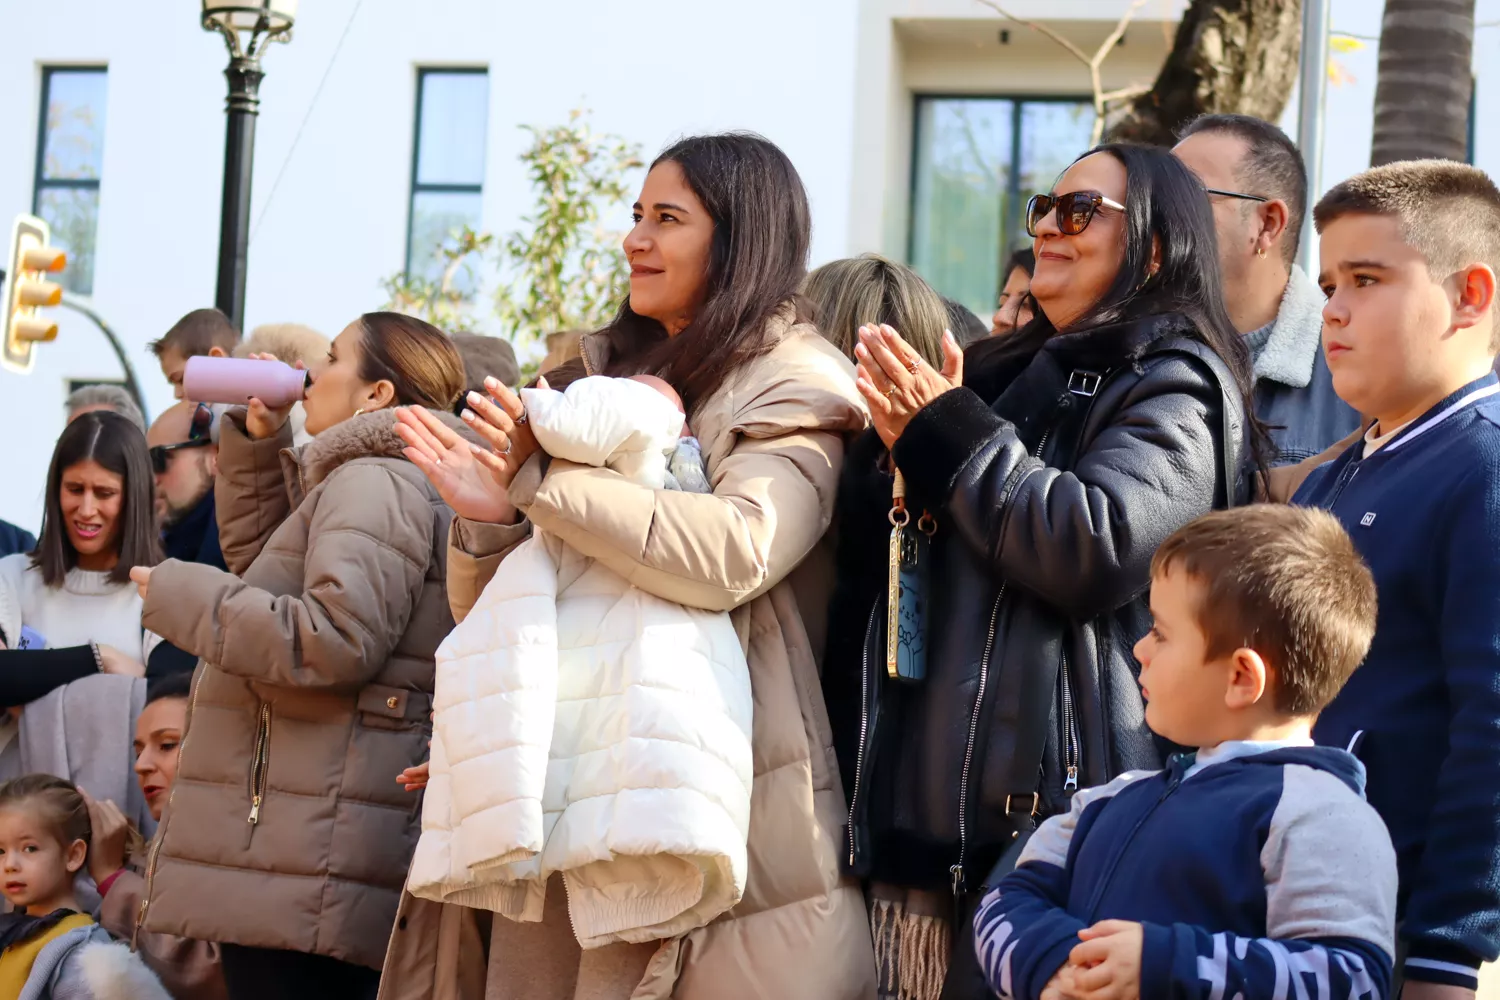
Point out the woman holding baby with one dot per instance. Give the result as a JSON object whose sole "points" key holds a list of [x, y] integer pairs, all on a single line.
{"points": [[717, 253]]}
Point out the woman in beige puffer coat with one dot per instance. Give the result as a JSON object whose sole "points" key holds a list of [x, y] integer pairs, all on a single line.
{"points": [[284, 838], [717, 254]]}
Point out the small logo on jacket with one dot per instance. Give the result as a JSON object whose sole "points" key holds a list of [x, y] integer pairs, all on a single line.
{"points": [[1368, 519]]}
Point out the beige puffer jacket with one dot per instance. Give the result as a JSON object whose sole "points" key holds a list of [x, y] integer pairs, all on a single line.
{"points": [[286, 827], [773, 439]]}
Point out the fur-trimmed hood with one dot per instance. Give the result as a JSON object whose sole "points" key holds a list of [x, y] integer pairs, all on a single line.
{"points": [[319, 652], [1291, 352], [86, 962], [368, 435]]}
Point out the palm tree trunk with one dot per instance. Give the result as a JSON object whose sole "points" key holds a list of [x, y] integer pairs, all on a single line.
{"points": [[1229, 56], [1425, 81]]}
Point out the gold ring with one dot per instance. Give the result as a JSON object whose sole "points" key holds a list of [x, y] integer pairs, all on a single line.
{"points": [[890, 392]]}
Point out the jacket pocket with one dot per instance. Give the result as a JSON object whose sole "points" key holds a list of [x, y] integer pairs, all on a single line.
{"points": [[395, 710]]}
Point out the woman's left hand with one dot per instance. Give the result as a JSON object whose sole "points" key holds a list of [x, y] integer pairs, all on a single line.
{"points": [[503, 427], [896, 382], [111, 831], [141, 577]]}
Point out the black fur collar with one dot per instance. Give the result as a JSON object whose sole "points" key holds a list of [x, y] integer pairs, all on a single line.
{"points": [[1038, 396]]}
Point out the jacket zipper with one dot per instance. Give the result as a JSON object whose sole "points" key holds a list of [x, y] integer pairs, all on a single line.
{"points": [[1072, 744], [1344, 480], [260, 764], [1129, 839], [161, 833], [864, 724], [957, 871]]}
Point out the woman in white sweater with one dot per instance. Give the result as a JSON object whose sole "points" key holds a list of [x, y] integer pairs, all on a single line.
{"points": [[68, 609]]}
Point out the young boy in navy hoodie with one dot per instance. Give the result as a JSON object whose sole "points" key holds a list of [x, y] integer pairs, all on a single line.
{"points": [[1409, 254], [1250, 868]]}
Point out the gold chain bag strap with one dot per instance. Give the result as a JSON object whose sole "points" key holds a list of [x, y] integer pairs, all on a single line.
{"points": [[907, 589]]}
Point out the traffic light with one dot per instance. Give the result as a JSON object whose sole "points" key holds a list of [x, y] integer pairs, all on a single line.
{"points": [[25, 292]]}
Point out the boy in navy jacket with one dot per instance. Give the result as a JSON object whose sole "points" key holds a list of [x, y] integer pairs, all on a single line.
{"points": [[1252, 867], [1409, 253]]}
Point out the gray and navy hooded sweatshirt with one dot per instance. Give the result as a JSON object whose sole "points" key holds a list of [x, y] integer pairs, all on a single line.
{"points": [[1423, 711], [1257, 870]]}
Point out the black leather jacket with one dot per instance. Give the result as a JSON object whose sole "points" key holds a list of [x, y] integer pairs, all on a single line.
{"points": [[1052, 489]]}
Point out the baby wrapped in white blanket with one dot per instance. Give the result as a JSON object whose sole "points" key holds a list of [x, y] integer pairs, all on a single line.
{"points": [[587, 727]]}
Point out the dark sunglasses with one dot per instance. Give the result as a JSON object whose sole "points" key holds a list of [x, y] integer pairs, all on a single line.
{"points": [[1234, 194], [198, 436], [1075, 210]]}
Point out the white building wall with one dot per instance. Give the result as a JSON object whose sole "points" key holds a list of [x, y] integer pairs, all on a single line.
{"points": [[831, 81]]}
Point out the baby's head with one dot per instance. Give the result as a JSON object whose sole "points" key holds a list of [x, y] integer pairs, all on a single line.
{"points": [[1261, 614], [664, 387], [44, 841]]}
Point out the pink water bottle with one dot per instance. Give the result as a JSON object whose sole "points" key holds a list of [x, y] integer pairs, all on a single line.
{"points": [[235, 380]]}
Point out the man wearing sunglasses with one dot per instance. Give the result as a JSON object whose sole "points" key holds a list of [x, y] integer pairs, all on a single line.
{"points": [[1257, 185], [184, 458]]}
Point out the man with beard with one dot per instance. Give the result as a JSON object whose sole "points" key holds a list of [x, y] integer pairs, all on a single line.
{"points": [[184, 458]]}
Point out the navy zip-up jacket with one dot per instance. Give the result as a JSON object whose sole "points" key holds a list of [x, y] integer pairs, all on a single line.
{"points": [[1424, 512], [1245, 866]]}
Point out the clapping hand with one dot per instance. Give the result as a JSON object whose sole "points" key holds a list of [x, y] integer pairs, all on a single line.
{"points": [[472, 479], [897, 382]]}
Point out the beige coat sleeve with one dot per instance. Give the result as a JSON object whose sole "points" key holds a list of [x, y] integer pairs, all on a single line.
{"points": [[774, 491], [369, 546], [475, 551], [250, 494]]}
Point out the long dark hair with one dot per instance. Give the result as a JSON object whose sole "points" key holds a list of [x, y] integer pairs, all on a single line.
{"points": [[119, 446], [1164, 205], [757, 261]]}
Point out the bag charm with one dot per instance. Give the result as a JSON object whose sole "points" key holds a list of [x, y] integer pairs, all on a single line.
{"points": [[906, 598]]}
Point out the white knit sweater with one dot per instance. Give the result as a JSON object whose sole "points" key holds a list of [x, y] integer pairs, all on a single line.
{"points": [[587, 727], [88, 607]]}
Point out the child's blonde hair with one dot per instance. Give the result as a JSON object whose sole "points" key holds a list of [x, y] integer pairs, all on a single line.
{"points": [[290, 342], [57, 804]]}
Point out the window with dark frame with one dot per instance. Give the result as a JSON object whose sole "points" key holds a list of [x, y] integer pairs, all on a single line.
{"points": [[448, 154], [976, 160], [69, 165]]}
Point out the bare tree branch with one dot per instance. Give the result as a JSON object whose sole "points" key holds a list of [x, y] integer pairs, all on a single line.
{"points": [[1078, 53], [1113, 38], [1092, 63], [1126, 93]]}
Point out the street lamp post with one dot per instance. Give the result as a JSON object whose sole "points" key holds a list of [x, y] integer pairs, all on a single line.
{"points": [[1314, 92], [247, 27]]}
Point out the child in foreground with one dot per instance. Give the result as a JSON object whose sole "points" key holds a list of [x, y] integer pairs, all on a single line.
{"points": [[1252, 859], [1409, 256], [49, 948]]}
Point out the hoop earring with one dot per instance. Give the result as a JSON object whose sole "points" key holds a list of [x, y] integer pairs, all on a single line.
{"points": [[1260, 252], [358, 412]]}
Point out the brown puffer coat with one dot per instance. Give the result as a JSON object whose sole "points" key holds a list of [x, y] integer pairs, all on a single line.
{"points": [[773, 439], [286, 828]]}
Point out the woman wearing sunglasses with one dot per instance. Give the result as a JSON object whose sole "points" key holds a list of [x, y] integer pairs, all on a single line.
{"points": [[68, 609], [1045, 467]]}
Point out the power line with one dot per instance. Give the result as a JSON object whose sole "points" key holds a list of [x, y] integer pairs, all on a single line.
{"points": [[327, 71]]}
